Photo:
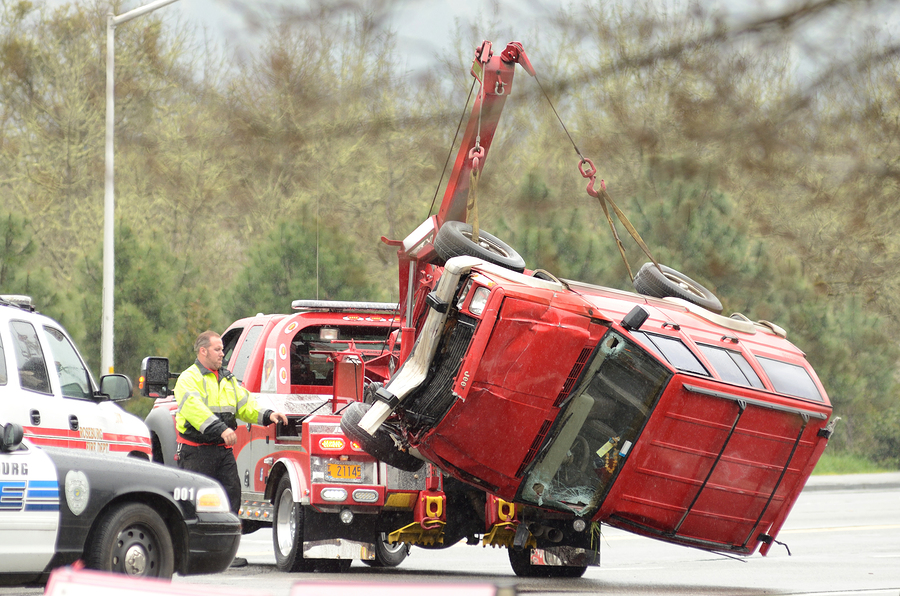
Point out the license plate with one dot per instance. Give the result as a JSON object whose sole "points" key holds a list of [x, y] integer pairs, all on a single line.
{"points": [[345, 472]]}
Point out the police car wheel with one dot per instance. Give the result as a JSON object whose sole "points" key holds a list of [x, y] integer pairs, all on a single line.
{"points": [[287, 530], [387, 554], [132, 539]]}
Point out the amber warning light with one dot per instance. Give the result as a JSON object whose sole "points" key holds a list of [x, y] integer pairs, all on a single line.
{"points": [[331, 444]]}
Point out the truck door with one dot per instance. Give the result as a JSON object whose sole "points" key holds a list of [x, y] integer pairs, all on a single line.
{"points": [[89, 425], [30, 399]]}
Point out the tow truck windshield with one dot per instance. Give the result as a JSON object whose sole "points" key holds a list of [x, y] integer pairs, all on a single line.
{"points": [[600, 422]]}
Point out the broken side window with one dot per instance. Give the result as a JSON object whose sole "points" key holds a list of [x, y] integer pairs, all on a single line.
{"points": [[596, 427]]}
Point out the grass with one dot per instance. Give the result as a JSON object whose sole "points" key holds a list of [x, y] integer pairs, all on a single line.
{"points": [[846, 463]]}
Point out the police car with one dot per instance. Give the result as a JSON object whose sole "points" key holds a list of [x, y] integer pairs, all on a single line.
{"points": [[46, 387], [121, 515]]}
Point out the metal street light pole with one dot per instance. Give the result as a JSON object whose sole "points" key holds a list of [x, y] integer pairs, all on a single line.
{"points": [[106, 327]]}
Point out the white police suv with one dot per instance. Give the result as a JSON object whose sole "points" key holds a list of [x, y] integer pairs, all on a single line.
{"points": [[46, 387], [122, 515]]}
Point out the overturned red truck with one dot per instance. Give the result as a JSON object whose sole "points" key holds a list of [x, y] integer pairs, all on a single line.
{"points": [[508, 407], [585, 405]]}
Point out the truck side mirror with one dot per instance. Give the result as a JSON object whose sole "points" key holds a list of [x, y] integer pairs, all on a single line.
{"points": [[11, 437], [154, 381], [116, 387]]}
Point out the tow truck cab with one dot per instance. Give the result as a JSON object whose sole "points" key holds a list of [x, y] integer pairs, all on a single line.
{"points": [[308, 364]]}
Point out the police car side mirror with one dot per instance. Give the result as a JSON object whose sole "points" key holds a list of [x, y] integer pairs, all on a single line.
{"points": [[154, 381], [116, 387], [11, 437]]}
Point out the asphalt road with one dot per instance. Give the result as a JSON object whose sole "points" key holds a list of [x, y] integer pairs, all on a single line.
{"points": [[843, 535]]}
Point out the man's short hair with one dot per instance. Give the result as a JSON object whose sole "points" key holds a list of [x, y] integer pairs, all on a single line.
{"points": [[204, 339]]}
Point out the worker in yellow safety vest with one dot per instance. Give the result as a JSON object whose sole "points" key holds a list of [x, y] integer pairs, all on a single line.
{"points": [[210, 402]]}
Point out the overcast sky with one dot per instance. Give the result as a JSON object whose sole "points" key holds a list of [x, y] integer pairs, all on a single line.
{"points": [[426, 28]]}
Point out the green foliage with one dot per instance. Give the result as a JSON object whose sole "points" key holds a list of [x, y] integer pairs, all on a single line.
{"points": [[886, 431], [833, 462], [156, 304], [239, 191], [288, 265]]}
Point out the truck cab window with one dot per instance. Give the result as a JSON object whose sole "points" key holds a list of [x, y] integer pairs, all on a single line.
{"points": [[238, 365], [73, 376], [311, 350], [29, 358]]}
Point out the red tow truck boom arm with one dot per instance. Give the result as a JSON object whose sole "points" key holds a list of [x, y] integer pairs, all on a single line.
{"points": [[495, 72]]}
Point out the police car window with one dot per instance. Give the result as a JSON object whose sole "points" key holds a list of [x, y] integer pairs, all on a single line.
{"points": [[73, 376], [790, 379], [29, 358], [672, 350], [731, 366], [3, 376]]}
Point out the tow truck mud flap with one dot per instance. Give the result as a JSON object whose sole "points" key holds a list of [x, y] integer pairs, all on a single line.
{"points": [[339, 548]]}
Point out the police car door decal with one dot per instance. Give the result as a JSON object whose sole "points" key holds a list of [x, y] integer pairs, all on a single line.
{"points": [[29, 510]]}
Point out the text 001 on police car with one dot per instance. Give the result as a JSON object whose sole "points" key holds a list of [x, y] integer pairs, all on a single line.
{"points": [[58, 506]]}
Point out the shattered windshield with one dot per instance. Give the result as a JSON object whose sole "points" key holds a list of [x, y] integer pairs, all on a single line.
{"points": [[596, 427]]}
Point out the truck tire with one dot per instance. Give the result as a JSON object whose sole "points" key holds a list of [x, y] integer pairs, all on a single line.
{"points": [[520, 561], [650, 281], [382, 445], [287, 530], [387, 554], [131, 538], [454, 239]]}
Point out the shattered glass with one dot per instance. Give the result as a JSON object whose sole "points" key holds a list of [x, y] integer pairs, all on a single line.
{"points": [[596, 425]]}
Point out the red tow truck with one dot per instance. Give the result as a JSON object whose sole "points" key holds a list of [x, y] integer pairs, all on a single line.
{"points": [[507, 407], [329, 502]]}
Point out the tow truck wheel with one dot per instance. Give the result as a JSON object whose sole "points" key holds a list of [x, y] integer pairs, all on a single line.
{"points": [[387, 554], [132, 539], [287, 530], [382, 445], [650, 281], [520, 561], [454, 239]]}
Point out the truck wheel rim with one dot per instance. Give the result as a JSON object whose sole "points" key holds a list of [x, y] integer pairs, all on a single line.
{"points": [[286, 522]]}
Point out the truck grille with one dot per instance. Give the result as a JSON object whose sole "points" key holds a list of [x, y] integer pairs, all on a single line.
{"points": [[432, 401], [573, 375]]}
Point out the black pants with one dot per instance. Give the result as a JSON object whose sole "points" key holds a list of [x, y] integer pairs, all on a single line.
{"points": [[217, 462]]}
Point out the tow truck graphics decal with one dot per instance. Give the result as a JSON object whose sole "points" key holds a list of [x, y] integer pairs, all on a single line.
{"points": [[29, 495]]}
